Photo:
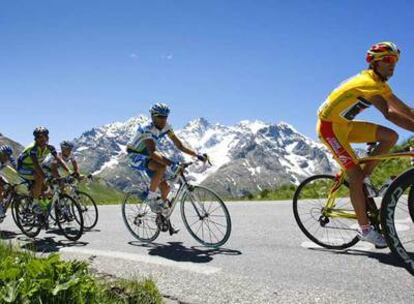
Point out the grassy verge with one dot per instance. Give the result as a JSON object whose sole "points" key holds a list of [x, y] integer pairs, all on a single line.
{"points": [[103, 194], [25, 278]]}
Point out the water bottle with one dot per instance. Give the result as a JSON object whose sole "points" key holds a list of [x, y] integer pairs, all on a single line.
{"points": [[44, 203]]}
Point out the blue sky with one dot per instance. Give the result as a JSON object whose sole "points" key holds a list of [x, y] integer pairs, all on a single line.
{"points": [[73, 65]]}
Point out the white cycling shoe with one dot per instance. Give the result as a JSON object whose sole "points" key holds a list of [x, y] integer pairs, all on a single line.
{"points": [[374, 237], [156, 204]]}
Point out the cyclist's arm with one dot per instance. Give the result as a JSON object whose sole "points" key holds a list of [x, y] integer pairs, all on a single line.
{"points": [[393, 110], [62, 163], [155, 155], [179, 144], [58, 159], [401, 106], [75, 166]]}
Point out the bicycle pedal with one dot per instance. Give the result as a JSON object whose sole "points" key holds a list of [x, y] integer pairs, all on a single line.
{"points": [[162, 224], [172, 230]]}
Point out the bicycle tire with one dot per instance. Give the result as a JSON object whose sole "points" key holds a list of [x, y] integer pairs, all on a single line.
{"points": [[27, 221], [397, 221], [90, 210], [69, 214], [138, 218], [205, 216], [337, 242]]}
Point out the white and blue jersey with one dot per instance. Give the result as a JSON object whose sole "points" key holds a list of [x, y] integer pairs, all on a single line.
{"points": [[148, 131], [138, 154]]}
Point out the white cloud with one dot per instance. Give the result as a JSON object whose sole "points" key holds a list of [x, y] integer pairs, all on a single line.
{"points": [[167, 56]]}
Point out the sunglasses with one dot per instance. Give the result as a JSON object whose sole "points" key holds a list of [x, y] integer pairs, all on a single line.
{"points": [[389, 59]]}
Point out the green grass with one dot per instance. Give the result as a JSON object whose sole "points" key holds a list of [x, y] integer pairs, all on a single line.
{"points": [[103, 194], [25, 278]]}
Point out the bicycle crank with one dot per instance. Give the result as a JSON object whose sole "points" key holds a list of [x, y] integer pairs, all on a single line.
{"points": [[162, 223]]}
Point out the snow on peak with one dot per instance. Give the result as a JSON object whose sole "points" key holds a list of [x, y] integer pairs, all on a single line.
{"points": [[198, 124], [253, 126], [285, 125]]}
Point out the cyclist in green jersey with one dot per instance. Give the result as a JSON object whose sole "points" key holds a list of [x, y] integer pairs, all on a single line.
{"points": [[28, 164]]}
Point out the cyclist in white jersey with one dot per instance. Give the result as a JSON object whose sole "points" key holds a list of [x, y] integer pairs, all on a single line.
{"points": [[66, 155], [143, 155]]}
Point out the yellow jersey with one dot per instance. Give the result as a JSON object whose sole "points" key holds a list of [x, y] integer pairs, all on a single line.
{"points": [[352, 96]]}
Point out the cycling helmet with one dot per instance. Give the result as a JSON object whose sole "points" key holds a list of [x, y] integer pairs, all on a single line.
{"points": [[160, 109], [66, 144], [382, 49], [40, 130]]}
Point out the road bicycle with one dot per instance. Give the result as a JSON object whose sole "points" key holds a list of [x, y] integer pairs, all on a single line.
{"points": [[323, 211], [203, 212], [10, 196], [86, 201], [67, 213]]}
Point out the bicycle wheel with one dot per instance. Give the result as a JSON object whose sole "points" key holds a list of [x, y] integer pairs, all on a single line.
{"points": [[89, 210], [13, 209], [138, 218], [411, 203], [26, 219], [69, 217], [396, 219], [309, 202], [206, 216]]}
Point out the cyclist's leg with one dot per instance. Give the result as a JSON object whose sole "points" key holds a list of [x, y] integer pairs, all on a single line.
{"points": [[38, 185], [156, 172], [165, 189], [364, 132], [356, 179], [28, 174], [335, 137], [54, 170]]}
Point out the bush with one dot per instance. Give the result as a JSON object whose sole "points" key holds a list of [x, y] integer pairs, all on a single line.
{"points": [[27, 279]]}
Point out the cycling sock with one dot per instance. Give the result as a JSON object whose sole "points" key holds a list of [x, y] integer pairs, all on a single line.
{"points": [[365, 229], [152, 195]]}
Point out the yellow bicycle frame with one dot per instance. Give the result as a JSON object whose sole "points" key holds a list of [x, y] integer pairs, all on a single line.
{"points": [[329, 209]]}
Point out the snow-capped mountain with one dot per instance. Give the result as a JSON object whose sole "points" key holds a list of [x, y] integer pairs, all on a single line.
{"points": [[247, 157]]}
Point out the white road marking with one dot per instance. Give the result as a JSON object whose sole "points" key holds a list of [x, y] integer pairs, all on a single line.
{"points": [[187, 266], [363, 246]]}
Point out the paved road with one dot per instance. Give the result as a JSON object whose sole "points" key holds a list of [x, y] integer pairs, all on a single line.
{"points": [[267, 260]]}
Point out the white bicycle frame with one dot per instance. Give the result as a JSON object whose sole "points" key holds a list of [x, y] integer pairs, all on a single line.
{"points": [[183, 189]]}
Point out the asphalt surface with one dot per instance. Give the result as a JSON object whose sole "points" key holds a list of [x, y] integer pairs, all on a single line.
{"points": [[266, 260]]}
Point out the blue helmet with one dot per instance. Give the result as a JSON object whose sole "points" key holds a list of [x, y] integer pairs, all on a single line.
{"points": [[160, 109], [6, 149], [66, 144]]}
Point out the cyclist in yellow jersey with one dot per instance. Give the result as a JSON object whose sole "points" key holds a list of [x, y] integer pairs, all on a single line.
{"points": [[337, 128]]}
